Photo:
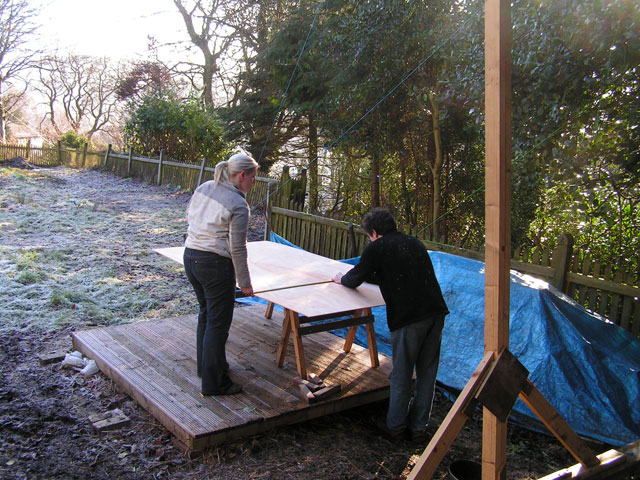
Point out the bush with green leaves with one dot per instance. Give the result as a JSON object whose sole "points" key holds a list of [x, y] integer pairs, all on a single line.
{"points": [[72, 139], [184, 128]]}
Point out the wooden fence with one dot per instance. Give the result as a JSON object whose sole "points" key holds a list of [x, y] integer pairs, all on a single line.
{"points": [[163, 170], [324, 236], [611, 292]]}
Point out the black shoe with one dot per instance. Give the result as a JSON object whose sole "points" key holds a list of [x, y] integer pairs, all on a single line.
{"points": [[230, 390], [418, 436], [391, 434]]}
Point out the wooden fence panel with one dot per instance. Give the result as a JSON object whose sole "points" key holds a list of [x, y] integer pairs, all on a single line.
{"points": [[37, 156]]}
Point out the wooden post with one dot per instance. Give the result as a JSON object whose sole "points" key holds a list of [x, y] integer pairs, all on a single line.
{"points": [[129, 160], [59, 152], [106, 156], [561, 260], [285, 187], [28, 150], [557, 425], [84, 154], [351, 235], [159, 182], [497, 214], [271, 188], [201, 175]]}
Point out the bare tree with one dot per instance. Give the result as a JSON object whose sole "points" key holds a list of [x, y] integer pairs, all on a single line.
{"points": [[226, 32], [80, 93], [204, 24], [16, 29]]}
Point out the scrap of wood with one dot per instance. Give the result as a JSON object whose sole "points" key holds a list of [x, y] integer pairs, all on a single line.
{"points": [[47, 358], [326, 391], [111, 420], [310, 385], [308, 394], [613, 464], [312, 377]]}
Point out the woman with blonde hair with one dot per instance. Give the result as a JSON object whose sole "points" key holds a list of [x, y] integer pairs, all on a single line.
{"points": [[215, 257]]}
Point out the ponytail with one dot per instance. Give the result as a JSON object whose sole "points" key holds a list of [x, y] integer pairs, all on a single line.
{"points": [[221, 173], [239, 162]]}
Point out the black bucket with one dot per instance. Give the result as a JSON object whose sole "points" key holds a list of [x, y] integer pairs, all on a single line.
{"points": [[465, 470]]}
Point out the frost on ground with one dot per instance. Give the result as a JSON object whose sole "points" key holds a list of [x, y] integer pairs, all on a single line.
{"points": [[77, 249]]}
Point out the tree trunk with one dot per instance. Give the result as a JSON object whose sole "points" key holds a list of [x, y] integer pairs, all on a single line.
{"points": [[207, 78], [375, 180], [3, 126], [406, 196], [436, 168], [313, 164]]}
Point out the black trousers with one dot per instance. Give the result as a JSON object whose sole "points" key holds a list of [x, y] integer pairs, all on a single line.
{"points": [[214, 282]]}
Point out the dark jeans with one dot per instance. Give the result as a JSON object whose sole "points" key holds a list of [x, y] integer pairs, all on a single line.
{"points": [[214, 281], [414, 346]]}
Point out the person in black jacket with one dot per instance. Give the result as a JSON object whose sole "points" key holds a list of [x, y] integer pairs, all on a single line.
{"points": [[416, 309]]}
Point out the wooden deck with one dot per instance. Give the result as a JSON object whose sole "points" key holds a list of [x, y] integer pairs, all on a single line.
{"points": [[154, 362]]}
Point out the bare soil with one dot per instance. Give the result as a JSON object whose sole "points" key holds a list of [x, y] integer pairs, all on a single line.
{"points": [[44, 409]]}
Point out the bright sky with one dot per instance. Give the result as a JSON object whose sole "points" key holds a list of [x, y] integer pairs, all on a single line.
{"points": [[114, 28]]}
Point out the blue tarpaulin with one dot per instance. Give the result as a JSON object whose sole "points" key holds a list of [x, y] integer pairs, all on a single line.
{"points": [[586, 367]]}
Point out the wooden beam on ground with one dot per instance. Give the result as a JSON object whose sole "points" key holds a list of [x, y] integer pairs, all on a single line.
{"points": [[497, 213], [613, 464]]}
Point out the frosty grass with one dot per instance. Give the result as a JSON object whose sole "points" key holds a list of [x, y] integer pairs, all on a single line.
{"points": [[76, 250]]}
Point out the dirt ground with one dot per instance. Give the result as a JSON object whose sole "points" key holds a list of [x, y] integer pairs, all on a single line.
{"points": [[75, 253]]}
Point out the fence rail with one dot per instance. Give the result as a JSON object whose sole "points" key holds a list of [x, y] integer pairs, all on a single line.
{"points": [[610, 291]]}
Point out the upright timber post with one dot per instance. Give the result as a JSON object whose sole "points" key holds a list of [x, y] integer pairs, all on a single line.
{"points": [[106, 156], [159, 179], [497, 31], [84, 154], [129, 160]]}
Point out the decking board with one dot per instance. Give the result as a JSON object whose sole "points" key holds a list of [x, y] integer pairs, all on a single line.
{"points": [[154, 362]]}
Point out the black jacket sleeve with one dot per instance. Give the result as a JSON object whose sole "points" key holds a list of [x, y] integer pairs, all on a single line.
{"points": [[364, 271]]}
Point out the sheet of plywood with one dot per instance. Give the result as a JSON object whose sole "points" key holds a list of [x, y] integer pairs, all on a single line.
{"points": [[276, 268], [274, 265], [325, 298], [173, 253]]}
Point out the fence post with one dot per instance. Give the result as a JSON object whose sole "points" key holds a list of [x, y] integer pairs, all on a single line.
{"points": [[59, 152], [561, 259], [159, 182], [84, 154], [351, 235], [129, 160], [106, 156], [201, 173], [28, 152], [271, 188]]}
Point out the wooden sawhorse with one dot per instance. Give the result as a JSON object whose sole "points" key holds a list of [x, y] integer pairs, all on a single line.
{"points": [[294, 324]]}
